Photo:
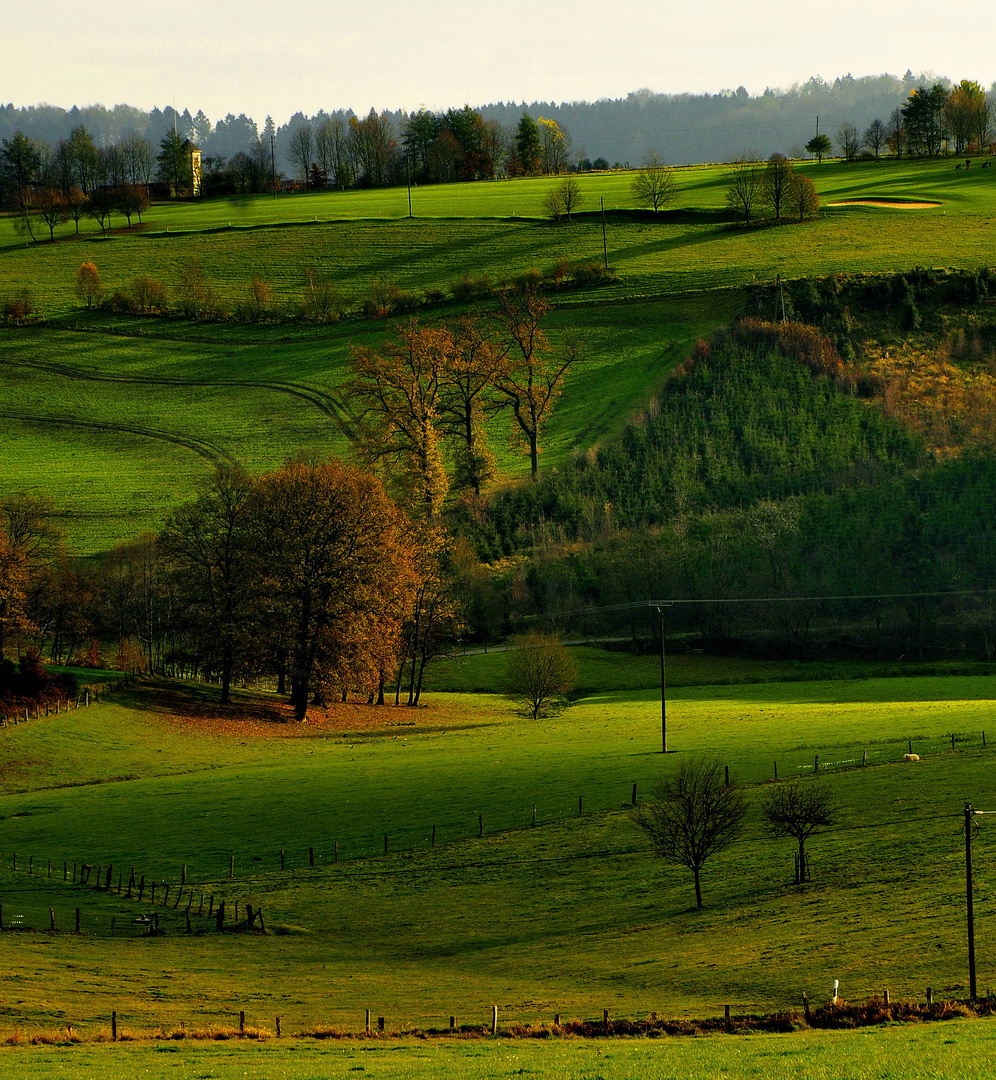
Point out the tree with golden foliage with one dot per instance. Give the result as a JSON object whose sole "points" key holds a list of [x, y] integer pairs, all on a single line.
{"points": [[467, 397], [433, 616], [330, 549], [88, 287], [14, 581], [396, 393]]}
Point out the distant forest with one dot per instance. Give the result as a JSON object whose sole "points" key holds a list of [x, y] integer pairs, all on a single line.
{"points": [[681, 128]]}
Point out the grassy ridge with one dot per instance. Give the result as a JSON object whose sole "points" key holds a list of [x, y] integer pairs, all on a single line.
{"points": [[172, 398]]}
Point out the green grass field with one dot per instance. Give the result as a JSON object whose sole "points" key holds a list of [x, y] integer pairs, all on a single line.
{"points": [[572, 916], [952, 1051], [116, 418]]}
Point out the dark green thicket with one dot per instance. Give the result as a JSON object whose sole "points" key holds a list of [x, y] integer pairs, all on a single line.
{"points": [[742, 422]]}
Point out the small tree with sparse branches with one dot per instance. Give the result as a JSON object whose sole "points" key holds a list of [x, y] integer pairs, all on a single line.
{"points": [[800, 810], [540, 672], [654, 184], [693, 815]]}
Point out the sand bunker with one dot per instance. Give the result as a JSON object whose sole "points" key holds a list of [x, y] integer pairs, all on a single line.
{"points": [[892, 204]]}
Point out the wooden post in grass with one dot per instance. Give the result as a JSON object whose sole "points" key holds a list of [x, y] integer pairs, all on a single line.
{"points": [[433, 835], [805, 1003], [231, 866], [166, 895], [368, 1022], [556, 1019], [51, 918], [219, 919], [311, 856], [776, 770], [864, 758], [816, 764], [281, 859], [634, 794], [580, 805], [380, 1023], [236, 911], [452, 1023], [605, 1019], [242, 1022], [114, 1027], [494, 1019], [278, 1027], [886, 997], [930, 996], [726, 1014], [534, 815], [31, 864], [337, 851]]}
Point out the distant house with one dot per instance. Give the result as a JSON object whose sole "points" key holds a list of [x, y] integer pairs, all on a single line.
{"points": [[193, 155]]}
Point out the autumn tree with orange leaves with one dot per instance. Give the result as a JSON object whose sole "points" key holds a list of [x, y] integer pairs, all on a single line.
{"points": [[332, 560]]}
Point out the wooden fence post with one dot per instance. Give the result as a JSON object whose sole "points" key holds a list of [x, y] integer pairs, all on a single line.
{"points": [[930, 996], [433, 835], [242, 1022], [231, 866], [452, 1023], [494, 1019], [380, 1023], [634, 794], [311, 856], [278, 1027], [816, 764], [580, 805], [368, 1022], [51, 918], [114, 1027]]}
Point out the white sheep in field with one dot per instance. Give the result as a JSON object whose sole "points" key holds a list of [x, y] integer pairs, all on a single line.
{"points": [[911, 757]]}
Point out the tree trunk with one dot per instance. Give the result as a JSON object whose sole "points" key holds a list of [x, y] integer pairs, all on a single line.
{"points": [[698, 888]]}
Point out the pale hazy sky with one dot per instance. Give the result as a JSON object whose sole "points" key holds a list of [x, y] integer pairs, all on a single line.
{"points": [[275, 58]]}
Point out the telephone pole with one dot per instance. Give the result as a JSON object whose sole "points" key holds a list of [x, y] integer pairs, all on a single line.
{"points": [[970, 905]]}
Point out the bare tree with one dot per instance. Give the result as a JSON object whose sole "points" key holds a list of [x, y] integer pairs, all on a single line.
{"points": [[849, 141], [876, 136], [895, 132], [744, 188], [565, 198], [693, 815], [300, 150], [800, 810], [775, 183], [540, 671], [654, 185]]}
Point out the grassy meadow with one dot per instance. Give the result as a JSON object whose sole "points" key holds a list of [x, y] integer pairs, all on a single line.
{"points": [[117, 417], [571, 916]]}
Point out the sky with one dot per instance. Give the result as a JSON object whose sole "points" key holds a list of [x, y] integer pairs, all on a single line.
{"points": [[267, 58]]}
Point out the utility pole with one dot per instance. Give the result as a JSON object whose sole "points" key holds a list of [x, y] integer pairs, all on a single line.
{"points": [[408, 173], [969, 902], [273, 166], [660, 613], [605, 246]]}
